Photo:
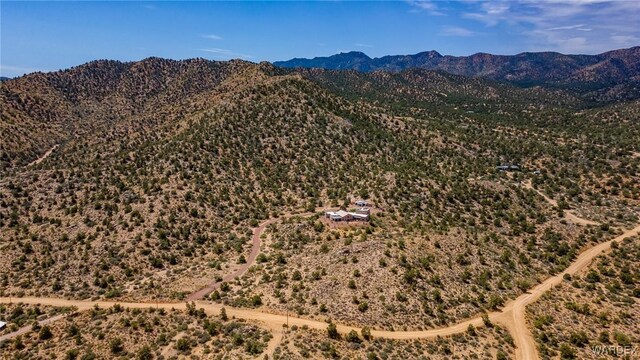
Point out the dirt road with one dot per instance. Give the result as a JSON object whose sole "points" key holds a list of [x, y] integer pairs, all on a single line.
{"points": [[255, 250], [527, 185], [44, 156], [512, 315], [268, 319], [26, 329], [568, 214], [251, 259]]}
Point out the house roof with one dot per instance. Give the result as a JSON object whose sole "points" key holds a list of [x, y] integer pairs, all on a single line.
{"points": [[340, 213]]}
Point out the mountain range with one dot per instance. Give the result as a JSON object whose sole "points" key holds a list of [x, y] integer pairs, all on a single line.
{"points": [[610, 75], [43, 109], [40, 110]]}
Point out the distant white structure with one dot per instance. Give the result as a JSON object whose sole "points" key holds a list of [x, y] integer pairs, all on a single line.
{"points": [[362, 203], [508, 167], [3, 325], [341, 215]]}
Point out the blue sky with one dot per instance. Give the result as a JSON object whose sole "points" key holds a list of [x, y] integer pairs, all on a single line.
{"points": [[46, 36]]}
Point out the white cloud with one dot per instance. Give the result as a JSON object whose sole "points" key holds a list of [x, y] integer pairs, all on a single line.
{"points": [[13, 71], [579, 27], [568, 26], [363, 45], [225, 53], [574, 45], [425, 5], [456, 31], [625, 40], [212, 36], [490, 13]]}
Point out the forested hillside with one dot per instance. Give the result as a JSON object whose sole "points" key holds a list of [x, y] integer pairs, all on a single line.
{"points": [[163, 167]]}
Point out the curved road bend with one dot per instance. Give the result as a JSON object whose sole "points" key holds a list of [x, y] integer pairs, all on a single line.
{"points": [[512, 316], [568, 214]]}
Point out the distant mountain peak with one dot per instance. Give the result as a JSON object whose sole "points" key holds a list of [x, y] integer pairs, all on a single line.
{"points": [[431, 54], [527, 68], [354, 53]]}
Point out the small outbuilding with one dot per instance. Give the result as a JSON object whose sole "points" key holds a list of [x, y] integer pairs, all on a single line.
{"points": [[361, 217]]}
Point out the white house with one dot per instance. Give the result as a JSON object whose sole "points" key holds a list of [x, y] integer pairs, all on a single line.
{"points": [[361, 217], [339, 215], [342, 215]]}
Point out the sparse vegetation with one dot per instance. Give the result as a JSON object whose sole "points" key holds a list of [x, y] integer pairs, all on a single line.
{"points": [[603, 308], [163, 169]]}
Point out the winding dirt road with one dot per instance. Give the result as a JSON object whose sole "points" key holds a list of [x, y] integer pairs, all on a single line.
{"points": [[568, 214], [512, 316], [251, 259]]}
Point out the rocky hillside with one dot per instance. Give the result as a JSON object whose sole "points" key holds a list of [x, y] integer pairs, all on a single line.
{"points": [[435, 89], [40, 110], [163, 167]]}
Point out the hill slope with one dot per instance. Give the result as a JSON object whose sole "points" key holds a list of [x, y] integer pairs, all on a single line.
{"points": [[163, 167], [40, 110]]}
